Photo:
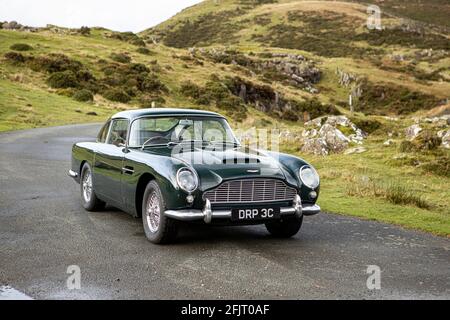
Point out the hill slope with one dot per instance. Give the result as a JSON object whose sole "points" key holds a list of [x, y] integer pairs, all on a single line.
{"points": [[266, 64]]}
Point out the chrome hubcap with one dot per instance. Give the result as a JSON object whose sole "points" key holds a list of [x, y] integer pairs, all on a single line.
{"points": [[153, 213], [87, 186]]}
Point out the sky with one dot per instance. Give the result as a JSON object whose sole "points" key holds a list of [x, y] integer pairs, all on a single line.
{"points": [[117, 15]]}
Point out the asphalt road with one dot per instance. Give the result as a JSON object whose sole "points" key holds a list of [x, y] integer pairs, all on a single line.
{"points": [[44, 230]]}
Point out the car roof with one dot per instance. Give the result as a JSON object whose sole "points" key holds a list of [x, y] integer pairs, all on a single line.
{"points": [[134, 114]]}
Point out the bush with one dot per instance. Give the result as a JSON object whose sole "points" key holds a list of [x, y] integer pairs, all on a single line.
{"points": [[65, 79], [120, 57], [289, 115], [440, 166], [152, 84], [391, 191], [117, 95], [367, 125], [406, 146], [83, 95], [14, 57], [190, 89], [85, 31], [143, 50], [129, 37], [397, 194], [55, 62], [427, 140], [21, 47]]}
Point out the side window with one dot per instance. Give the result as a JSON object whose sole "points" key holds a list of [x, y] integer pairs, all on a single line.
{"points": [[118, 134], [104, 133]]}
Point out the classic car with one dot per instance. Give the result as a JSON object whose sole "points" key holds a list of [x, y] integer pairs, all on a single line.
{"points": [[177, 165]]}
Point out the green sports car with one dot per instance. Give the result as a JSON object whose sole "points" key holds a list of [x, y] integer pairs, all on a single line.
{"points": [[172, 165]]}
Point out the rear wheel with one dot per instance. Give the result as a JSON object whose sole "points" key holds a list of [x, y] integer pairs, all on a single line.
{"points": [[285, 228], [88, 197], [158, 228]]}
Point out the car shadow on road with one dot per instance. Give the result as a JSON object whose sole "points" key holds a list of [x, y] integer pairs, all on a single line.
{"points": [[191, 233]]}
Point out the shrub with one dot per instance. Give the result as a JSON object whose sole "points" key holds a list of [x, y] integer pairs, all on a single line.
{"points": [[204, 30], [143, 50], [129, 37], [392, 192], [117, 95], [190, 89], [85, 31], [21, 47], [367, 125], [83, 95], [139, 68], [427, 140], [386, 99], [406, 146], [397, 194], [440, 166], [14, 57], [120, 57], [65, 79], [54, 62], [289, 115], [152, 84]]}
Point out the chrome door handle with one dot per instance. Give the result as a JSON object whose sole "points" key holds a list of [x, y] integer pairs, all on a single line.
{"points": [[128, 170]]}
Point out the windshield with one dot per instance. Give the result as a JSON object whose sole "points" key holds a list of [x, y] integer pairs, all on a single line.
{"points": [[165, 130]]}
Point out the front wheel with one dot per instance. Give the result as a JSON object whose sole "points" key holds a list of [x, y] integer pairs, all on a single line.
{"points": [[158, 228], [285, 228]]}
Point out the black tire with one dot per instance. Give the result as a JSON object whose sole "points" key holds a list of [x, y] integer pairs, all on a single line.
{"points": [[285, 228], [166, 230], [91, 203]]}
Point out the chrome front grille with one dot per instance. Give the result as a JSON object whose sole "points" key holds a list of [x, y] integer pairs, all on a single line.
{"points": [[254, 190]]}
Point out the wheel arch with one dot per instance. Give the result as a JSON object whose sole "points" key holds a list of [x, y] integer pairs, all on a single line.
{"points": [[144, 180]]}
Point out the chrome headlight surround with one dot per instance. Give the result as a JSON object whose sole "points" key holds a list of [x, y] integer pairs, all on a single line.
{"points": [[183, 175], [309, 177]]}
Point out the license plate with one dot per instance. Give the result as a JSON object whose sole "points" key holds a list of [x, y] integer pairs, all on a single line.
{"points": [[255, 214]]}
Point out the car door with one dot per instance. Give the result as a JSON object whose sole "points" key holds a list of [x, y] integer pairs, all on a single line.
{"points": [[109, 158]]}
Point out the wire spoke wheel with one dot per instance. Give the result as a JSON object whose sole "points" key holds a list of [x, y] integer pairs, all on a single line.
{"points": [[87, 186], [153, 212]]}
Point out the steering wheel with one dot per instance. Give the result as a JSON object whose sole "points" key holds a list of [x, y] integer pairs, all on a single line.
{"points": [[154, 139]]}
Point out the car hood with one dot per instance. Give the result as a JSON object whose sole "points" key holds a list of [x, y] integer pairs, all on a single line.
{"points": [[215, 166]]}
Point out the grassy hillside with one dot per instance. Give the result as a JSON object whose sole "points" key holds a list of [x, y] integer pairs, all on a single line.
{"points": [[266, 64]]}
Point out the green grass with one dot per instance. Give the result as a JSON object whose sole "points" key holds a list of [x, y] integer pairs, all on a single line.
{"points": [[403, 195], [24, 108]]}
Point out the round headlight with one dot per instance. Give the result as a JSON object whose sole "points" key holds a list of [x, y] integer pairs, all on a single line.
{"points": [[187, 180], [309, 177]]}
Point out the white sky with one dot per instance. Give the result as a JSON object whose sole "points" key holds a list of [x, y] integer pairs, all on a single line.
{"points": [[118, 15]]}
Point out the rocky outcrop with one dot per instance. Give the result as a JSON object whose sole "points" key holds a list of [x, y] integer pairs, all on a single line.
{"points": [[413, 131], [316, 146], [13, 25], [345, 78], [292, 69], [325, 135], [445, 136]]}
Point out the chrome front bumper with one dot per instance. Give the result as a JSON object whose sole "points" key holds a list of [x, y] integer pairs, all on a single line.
{"points": [[72, 174], [207, 214]]}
